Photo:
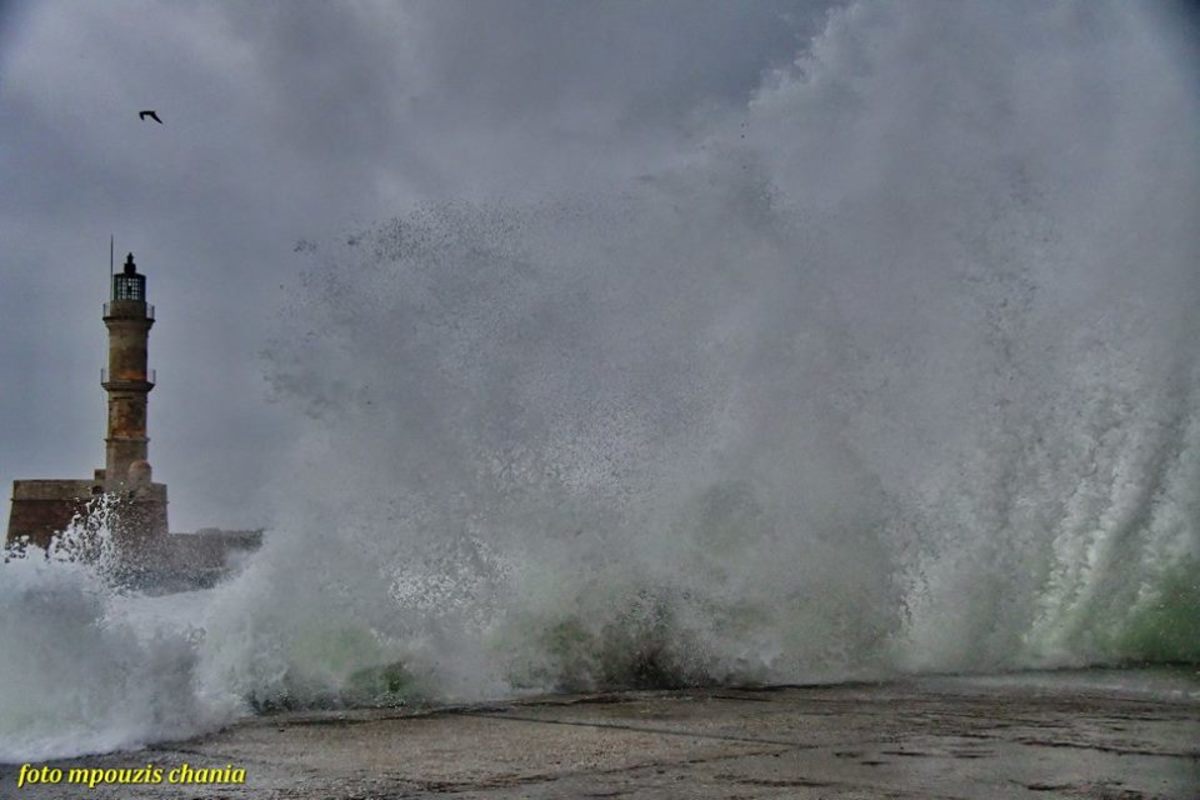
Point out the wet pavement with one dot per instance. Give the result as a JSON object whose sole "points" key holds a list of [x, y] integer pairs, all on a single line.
{"points": [[929, 738]]}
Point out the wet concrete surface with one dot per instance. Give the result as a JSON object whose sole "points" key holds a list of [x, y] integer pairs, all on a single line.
{"points": [[907, 739]]}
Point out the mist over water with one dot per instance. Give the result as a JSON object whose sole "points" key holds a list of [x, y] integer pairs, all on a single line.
{"points": [[895, 371]]}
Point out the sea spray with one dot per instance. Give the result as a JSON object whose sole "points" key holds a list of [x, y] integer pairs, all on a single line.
{"points": [[87, 665], [880, 383]]}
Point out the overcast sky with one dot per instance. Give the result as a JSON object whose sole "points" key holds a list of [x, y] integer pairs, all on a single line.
{"points": [[290, 122]]}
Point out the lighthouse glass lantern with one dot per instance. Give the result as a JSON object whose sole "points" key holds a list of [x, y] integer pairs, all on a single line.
{"points": [[128, 284]]}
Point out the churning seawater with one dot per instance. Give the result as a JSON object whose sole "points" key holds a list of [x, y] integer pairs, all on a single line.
{"points": [[897, 372]]}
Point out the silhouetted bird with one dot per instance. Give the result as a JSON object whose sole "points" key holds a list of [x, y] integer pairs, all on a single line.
{"points": [[151, 114]]}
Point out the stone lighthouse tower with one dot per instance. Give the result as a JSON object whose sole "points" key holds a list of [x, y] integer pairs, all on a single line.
{"points": [[128, 381]]}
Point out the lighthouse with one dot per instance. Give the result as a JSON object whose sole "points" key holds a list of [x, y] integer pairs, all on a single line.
{"points": [[43, 507], [127, 380], [149, 555]]}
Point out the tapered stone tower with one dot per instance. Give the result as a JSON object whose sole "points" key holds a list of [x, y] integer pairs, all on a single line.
{"points": [[128, 382]]}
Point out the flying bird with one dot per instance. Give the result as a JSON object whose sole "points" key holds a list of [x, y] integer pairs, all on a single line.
{"points": [[151, 114]]}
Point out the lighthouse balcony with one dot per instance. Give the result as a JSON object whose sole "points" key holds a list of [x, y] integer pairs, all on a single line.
{"points": [[128, 380], [136, 309]]}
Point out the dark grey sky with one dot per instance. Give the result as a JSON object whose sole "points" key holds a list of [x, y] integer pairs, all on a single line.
{"points": [[288, 121]]}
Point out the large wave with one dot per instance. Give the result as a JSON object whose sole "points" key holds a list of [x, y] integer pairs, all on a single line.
{"points": [[895, 372]]}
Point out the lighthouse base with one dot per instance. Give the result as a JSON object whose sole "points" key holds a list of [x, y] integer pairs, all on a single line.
{"points": [[149, 557], [43, 508]]}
